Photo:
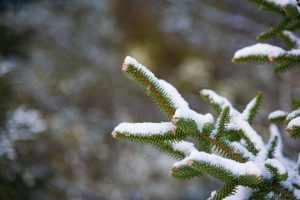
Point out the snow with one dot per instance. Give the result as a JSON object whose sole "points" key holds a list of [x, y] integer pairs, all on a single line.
{"points": [[145, 128], [283, 3], [293, 52], [294, 123], [200, 119], [170, 91], [275, 133], [246, 113], [293, 114], [278, 165], [131, 61], [292, 37], [239, 123], [239, 169], [259, 49], [184, 146], [173, 94], [242, 193], [219, 100], [242, 150], [277, 114]]}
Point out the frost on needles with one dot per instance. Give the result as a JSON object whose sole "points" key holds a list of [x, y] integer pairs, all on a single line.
{"points": [[236, 153]]}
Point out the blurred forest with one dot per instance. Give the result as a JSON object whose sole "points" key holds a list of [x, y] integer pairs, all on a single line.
{"points": [[62, 90]]}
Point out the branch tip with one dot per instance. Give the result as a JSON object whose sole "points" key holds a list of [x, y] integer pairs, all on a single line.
{"points": [[124, 67], [175, 120], [190, 163], [114, 134]]}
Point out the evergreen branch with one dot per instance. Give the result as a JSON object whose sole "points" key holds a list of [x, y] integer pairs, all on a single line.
{"points": [[167, 147], [226, 190], [224, 148], [144, 132], [295, 104], [277, 116], [222, 121], [255, 59], [252, 108], [216, 101], [274, 30], [162, 93], [274, 146], [276, 169], [283, 192], [290, 39], [269, 6], [184, 172], [293, 127], [291, 11]]}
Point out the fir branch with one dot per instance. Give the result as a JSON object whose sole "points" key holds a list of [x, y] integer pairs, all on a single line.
{"points": [[274, 30], [160, 91], [226, 190], [277, 116], [184, 172], [222, 121], [224, 148], [252, 108], [144, 132], [269, 6]]}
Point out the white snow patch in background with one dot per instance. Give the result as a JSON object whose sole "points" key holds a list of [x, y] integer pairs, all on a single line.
{"points": [[147, 128], [259, 49]]}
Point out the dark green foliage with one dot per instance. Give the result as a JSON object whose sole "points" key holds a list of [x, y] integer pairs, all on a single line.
{"points": [[184, 172], [254, 109], [226, 190], [224, 148], [186, 127], [274, 30], [153, 90], [295, 104], [166, 147], [222, 121], [276, 174], [269, 6], [214, 105], [273, 144], [255, 59], [295, 131]]}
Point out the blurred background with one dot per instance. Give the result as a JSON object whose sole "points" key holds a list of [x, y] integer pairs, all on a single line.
{"points": [[62, 91]]}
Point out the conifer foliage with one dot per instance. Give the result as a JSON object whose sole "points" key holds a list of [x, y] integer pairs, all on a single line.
{"points": [[233, 151]]}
